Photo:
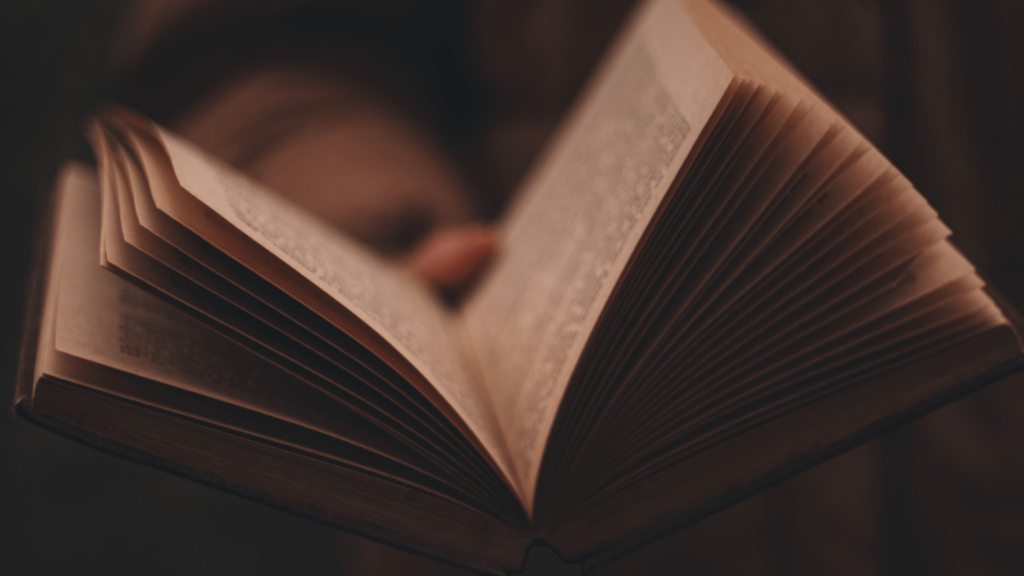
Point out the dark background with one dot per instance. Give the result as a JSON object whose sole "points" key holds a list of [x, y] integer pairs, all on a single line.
{"points": [[936, 85]]}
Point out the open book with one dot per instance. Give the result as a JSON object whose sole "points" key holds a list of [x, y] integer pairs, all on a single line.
{"points": [[709, 282]]}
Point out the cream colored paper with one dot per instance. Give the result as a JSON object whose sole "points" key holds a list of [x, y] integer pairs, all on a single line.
{"points": [[582, 213], [376, 301], [106, 320]]}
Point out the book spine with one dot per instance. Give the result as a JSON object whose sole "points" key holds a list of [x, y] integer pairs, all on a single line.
{"points": [[35, 294]]}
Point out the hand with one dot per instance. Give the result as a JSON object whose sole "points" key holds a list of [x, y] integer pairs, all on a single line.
{"points": [[451, 259]]}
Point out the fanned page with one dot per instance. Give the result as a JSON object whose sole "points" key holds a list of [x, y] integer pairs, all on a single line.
{"points": [[581, 214], [377, 302], [227, 275], [104, 333], [792, 261], [149, 247], [119, 368]]}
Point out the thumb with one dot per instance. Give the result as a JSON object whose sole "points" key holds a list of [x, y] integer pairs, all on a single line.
{"points": [[450, 259]]}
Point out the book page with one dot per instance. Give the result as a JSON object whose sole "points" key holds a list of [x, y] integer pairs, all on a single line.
{"points": [[107, 320], [104, 333], [582, 213], [391, 407], [377, 302]]}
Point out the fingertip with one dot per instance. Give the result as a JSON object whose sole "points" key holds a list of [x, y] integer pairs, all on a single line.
{"points": [[450, 259]]}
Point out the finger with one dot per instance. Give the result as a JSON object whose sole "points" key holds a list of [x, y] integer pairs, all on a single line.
{"points": [[449, 259]]}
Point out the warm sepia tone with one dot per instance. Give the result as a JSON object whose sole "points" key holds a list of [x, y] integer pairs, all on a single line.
{"points": [[900, 75]]}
